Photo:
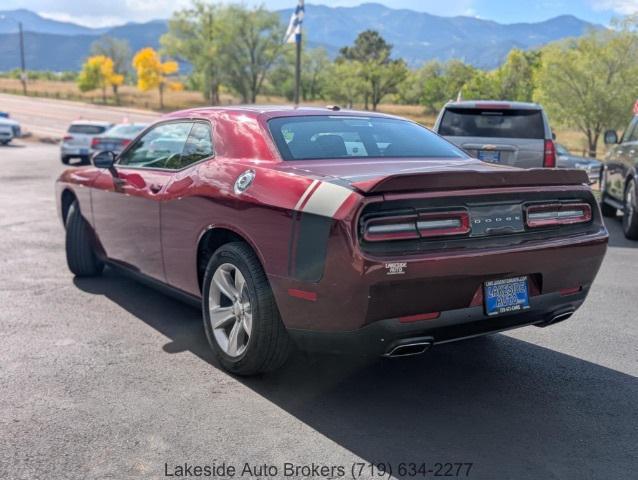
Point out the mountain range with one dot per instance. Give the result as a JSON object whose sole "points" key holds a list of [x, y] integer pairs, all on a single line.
{"points": [[417, 37]]}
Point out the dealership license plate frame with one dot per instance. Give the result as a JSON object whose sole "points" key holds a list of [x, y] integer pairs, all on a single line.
{"points": [[500, 300], [490, 156]]}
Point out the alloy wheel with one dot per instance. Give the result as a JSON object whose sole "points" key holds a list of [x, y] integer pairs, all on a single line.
{"points": [[230, 310]]}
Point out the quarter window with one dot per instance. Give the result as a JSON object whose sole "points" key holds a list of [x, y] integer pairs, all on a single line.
{"points": [[199, 144]]}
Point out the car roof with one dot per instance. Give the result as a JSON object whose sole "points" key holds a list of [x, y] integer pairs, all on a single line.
{"points": [[478, 104], [272, 111], [91, 122]]}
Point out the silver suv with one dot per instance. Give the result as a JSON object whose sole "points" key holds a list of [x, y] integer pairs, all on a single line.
{"points": [[508, 133]]}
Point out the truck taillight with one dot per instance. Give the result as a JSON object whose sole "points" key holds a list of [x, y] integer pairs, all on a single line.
{"points": [[549, 160], [67, 138], [95, 142], [557, 214], [411, 227]]}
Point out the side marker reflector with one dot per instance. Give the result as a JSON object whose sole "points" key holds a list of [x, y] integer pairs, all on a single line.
{"points": [[420, 317], [303, 294]]}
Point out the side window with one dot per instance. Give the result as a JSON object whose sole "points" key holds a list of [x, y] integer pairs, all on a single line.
{"points": [[160, 147], [631, 134], [199, 144]]}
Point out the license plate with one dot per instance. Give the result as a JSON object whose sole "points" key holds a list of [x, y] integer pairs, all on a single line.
{"points": [[489, 156], [506, 295], [84, 151]]}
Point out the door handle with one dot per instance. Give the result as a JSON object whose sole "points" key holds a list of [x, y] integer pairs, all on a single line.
{"points": [[155, 188]]}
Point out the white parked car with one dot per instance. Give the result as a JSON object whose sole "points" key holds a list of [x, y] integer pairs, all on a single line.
{"points": [[9, 129], [77, 141]]}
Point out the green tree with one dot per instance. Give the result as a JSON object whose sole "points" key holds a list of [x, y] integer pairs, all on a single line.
{"points": [[382, 74], [515, 77], [315, 67], [195, 35], [251, 42], [347, 85], [590, 83]]}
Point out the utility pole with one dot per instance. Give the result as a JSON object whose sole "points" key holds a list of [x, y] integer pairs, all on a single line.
{"points": [[23, 73]]}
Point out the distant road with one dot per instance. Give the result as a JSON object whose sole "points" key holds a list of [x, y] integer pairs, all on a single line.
{"points": [[45, 117]]}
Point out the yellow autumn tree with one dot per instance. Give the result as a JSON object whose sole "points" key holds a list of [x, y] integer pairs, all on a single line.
{"points": [[98, 72], [153, 73]]}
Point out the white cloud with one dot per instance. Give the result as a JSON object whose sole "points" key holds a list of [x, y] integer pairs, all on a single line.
{"points": [[625, 7]]}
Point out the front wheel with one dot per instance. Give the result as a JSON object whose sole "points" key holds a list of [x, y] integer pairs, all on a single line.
{"points": [[80, 252], [241, 319], [630, 215]]}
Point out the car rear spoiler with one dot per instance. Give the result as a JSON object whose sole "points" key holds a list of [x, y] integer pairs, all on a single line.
{"points": [[437, 181]]}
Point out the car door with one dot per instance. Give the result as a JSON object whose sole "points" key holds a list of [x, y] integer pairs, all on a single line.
{"points": [[186, 211], [126, 208]]}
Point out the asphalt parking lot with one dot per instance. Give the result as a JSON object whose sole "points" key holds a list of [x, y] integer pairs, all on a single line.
{"points": [[106, 378]]}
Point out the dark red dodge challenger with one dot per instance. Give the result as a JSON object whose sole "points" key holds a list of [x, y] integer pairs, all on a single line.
{"points": [[336, 230]]}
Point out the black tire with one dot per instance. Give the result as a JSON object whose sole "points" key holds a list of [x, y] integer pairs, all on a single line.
{"points": [[65, 159], [5, 142], [268, 345], [80, 251], [630, 211]]}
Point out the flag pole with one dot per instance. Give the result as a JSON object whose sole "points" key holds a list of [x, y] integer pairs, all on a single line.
{"points": [[298, 69]]}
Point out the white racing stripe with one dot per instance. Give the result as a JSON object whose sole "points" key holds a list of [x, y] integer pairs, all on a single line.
{"points": [[305, 195], [325, 200]]}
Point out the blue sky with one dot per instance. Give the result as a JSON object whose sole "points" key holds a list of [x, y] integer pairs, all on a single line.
{"points": [[110, 12]]}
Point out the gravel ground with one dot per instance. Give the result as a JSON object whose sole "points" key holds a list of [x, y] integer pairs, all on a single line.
{"points": [[106, 378]]}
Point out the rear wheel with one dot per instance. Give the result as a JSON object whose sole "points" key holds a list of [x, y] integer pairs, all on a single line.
{"points": [[65, 159], [241, 319], [80, 251], [630, 217]]}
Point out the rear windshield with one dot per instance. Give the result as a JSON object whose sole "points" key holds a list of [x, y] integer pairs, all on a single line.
{"points": [[87, 129], [505, 123], [126, 131], [319, 137]]}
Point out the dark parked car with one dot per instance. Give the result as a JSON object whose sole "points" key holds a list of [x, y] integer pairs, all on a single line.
{"points": [[117, 137], [566, 159], [620, 178], [338, 230]]}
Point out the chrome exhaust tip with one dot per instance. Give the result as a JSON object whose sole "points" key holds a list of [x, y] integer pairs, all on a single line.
{"points": [[408, 349], [557, 318]]}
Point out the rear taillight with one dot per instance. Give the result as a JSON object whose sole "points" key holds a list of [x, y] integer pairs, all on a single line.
{"points": [[549, 160], [410, 227], [557, 214], [125, 142], [443, 224], [95, 142], [391, 228], [67, 138]]}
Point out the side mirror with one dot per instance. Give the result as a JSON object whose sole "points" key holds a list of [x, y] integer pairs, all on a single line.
{"points": [[105, 159], [611, 137], [553, 135]]}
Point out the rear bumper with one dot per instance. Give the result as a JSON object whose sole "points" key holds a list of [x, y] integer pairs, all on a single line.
{"points": [[69, 151], [382, 337], [357, 292]]}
